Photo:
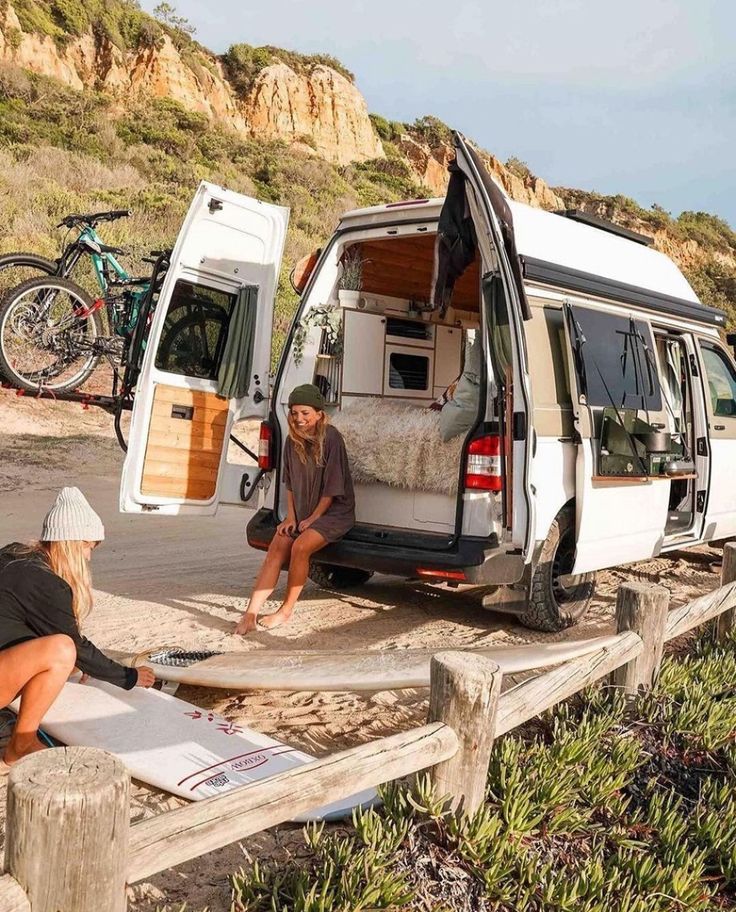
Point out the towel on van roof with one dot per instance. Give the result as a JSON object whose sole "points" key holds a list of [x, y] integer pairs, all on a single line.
{"points": [[399, 445]]}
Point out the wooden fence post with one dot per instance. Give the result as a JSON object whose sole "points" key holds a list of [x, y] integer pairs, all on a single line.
{"points": [[726, 621], [67, 828], [643, 609], [464, 692]]}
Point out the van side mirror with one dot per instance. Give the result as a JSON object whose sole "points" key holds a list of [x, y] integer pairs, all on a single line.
{"points": [[731, 340], [299, 275]]}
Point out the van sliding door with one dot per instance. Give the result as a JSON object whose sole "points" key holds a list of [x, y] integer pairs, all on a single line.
{"points": [[719, 381], [619, 518]]}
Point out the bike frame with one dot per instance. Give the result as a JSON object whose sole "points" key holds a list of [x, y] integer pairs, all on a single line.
{"points": [[102, 263]]}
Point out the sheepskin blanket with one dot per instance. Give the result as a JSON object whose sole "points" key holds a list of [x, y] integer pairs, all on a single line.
{"points": [[398, 445]]}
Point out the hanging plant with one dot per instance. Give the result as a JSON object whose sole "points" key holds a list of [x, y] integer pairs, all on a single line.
{"points": [[328, 319]]}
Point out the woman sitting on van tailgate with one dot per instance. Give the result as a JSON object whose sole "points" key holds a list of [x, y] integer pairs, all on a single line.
{"points": [[45, 591], [320, 504]]}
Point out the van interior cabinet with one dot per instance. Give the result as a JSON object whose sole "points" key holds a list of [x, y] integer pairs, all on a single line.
{"points": [[448, 357], [362, 370]]}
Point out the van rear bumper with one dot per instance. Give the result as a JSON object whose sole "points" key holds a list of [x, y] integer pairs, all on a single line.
{"points": [[482, 561]]}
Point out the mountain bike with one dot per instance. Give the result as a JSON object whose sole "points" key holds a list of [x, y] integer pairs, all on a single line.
{"points": [[16, 268], [51, 330]]}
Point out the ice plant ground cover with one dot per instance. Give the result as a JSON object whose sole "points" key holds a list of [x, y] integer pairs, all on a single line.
{"points": [[593, 808]]}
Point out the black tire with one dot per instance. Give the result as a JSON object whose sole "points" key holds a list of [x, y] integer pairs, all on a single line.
{"points": [[69, 354], [16, 268], [335, 578], [553, 606]]}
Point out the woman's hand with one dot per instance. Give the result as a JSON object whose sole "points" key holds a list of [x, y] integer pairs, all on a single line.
{"points": [[146, 677], [287, 526], [306, 523]]}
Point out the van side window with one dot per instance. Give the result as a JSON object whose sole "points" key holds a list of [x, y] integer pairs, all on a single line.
{"points": [[195, 331], [614, 359], [721, 381]]}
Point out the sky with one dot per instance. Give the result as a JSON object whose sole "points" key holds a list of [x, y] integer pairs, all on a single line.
{"points": [[635, 97]]}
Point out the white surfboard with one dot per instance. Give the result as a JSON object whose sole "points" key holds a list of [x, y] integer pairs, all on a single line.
{"points": [[268, 669], [174, 745]]}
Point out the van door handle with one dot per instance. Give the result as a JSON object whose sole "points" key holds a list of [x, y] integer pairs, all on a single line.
{"points": [[719, 427], [658, 425]]}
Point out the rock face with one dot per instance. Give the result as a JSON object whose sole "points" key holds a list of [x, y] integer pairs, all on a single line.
{"points": [[321, 110], [430, 167], [324, 109]]}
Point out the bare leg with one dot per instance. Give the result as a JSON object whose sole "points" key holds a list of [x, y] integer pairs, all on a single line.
{"points": [[37, 669], [277, 555], [304, 547]]}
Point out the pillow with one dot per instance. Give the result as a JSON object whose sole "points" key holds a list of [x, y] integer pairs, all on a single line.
{"points": [[459, 414]]}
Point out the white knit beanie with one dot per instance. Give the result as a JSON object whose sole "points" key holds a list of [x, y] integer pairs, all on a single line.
{"points": [[72, 519]]}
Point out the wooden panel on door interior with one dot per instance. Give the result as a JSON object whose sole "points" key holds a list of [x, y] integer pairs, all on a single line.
{"points": [[185, 441]]}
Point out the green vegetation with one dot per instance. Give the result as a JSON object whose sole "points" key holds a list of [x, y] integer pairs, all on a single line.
{"points": [[388, 130], [431, 130], [121, 21], [519, 168], [594, 809], [243, 63]]}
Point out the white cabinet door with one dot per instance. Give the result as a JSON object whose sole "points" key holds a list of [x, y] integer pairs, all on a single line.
{"points": [[448, 355], [362, 370]]}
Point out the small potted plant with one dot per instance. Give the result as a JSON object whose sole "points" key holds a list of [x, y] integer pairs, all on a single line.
{"points": [[351, 278]]}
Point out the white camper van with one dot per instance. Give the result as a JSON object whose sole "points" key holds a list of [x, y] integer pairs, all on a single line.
{"points": [[593, 420]]}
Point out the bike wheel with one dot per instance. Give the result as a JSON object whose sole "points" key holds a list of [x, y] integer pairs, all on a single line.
{"points": [[48, 331], [16, 268]]}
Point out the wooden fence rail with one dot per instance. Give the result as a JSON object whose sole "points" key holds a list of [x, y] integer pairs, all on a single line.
{"points": [[79, 790]]}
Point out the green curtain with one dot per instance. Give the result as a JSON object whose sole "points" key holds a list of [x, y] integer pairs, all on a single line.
{"points": [[233, 378]]}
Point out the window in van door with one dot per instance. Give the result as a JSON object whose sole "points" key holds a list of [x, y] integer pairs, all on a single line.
{"points": [[194, 334], [721, 381], [614, 360]]}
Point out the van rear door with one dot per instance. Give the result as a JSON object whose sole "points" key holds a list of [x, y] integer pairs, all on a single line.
{"points": [[207, 356], [618, 519], [497, 221]]}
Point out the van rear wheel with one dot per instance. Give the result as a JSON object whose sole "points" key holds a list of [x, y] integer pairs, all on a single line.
{"points": [[556, 599], [334, 577]]}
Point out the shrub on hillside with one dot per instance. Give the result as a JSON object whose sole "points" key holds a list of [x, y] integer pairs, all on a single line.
{"points": [[243, 63], [387, 130], [431, 130]]}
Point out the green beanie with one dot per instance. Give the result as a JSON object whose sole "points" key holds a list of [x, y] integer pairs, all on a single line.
{"points": [[307, 394]]}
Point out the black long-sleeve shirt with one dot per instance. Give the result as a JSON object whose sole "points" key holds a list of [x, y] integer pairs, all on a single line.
{"points": [[35, 602]]}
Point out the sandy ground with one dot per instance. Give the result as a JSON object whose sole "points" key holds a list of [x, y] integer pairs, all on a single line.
{"points": [[183, 580]]}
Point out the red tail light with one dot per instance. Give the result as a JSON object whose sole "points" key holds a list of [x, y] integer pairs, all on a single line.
{"points": [[483, 466], [265, 455]]}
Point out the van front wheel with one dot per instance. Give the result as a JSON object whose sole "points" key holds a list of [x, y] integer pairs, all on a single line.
{"points": [[331, 576], [556, 599]]}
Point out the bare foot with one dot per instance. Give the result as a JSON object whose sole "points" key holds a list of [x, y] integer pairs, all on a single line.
{"points": [[277, 619], [246, 623], [16, 751]]}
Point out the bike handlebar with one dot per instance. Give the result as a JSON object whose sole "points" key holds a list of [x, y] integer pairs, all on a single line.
{"points": [[93, 218]]}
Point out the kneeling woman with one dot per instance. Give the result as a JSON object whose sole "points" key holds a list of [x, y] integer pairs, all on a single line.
{"points": [[320, 504], [45, 592]]}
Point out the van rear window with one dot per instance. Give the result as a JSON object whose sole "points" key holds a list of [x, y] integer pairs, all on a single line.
{"points": [[614, 360], [194, 334]]}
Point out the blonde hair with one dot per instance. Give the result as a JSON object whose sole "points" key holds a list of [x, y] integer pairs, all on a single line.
{"points": [[306, 445], [66, 559]]}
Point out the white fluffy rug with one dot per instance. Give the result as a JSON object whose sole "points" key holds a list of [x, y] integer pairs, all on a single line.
{"points": [[399, 445]]}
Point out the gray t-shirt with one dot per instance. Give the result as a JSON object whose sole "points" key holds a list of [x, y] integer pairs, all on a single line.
{"points": [[309, 482]]}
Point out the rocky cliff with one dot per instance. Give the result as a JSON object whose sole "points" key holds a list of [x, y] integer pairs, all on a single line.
{"points": [[319, 109]]}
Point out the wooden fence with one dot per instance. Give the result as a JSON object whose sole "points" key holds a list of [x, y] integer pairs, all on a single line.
{"points": [[69, 846]]}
